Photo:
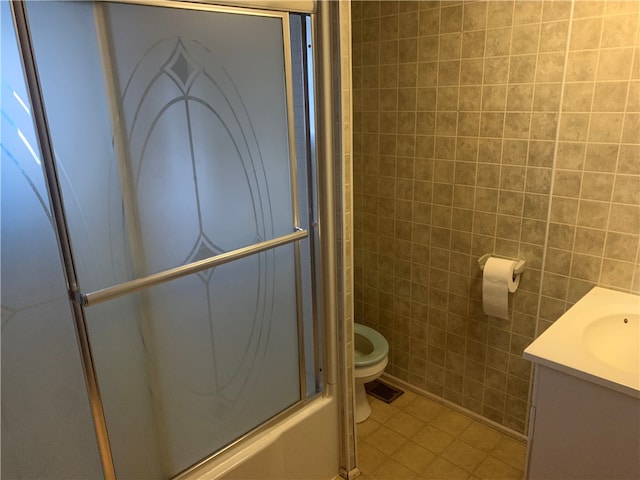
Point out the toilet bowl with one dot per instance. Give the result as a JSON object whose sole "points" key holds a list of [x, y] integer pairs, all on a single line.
{"points": [[370, 358]]}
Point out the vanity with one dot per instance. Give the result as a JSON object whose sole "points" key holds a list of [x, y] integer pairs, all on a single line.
{"points": [[585, 413]]}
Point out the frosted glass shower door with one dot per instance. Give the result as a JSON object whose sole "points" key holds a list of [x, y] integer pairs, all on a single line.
{"points": [[174, 124], [46, 428]]}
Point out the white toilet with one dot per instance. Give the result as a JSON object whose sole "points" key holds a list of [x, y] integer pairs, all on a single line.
{"points": [[370, 358]]}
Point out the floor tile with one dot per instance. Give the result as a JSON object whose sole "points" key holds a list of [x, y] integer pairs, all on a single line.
{"points": [[481, 437], [451, 422], [510, 451], [381, 411], [369, 457], [432, 438], [464, 455], [415, 438], [442, 469], [494, 469], [386, 440], [414, 456], [393, 470], [365, 429], [423, 408], [405, 399], [405, 424]]}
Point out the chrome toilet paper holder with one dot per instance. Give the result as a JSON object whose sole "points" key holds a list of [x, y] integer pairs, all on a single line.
{"points": [[518, 269]]}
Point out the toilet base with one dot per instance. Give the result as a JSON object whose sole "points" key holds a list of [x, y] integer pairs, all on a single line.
{"points": [[363, 409]]}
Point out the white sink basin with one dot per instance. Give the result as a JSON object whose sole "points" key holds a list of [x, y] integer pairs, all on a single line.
{"points": [[598, 339], [614, 339]]}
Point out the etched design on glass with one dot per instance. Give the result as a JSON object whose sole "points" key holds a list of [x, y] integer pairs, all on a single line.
{"points": [[14, 113], [192, 143], [204, 251], [193, 139], [23, 186], [7, 313], [181, 68]]}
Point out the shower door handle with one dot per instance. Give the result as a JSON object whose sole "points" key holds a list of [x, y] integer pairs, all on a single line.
{"points": [[99, 296]]}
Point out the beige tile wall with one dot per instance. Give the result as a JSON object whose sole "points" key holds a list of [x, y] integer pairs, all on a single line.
{"points": [[344, 182], [594, 224], [340, 92], [457, 109]]}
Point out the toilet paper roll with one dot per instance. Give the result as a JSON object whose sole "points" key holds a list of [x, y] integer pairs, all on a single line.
{"points": [[498, 280]]}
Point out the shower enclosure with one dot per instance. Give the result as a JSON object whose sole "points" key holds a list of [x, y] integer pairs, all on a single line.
{"points": [[159, 205]]}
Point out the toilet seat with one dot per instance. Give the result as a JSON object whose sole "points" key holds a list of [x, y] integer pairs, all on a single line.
{"points": [[371, 355], [379, 344]]}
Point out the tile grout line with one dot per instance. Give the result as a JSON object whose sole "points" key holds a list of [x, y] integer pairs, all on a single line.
{"points": [[457, 437]]}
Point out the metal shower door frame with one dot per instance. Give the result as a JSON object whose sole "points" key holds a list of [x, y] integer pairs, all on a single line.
{"points": [[79, 300]]}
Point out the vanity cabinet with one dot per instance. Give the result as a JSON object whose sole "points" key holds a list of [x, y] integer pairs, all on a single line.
{"points": [[581, 430], [585, 414]]}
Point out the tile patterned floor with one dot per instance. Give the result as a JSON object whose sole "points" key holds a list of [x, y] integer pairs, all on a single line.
{"points": [[415, 438]]}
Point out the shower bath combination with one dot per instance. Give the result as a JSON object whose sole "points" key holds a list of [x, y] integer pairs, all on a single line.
{"points": [[180, 194]]}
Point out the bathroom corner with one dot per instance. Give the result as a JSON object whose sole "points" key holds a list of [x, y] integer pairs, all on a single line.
{"points": [[490, 127]]}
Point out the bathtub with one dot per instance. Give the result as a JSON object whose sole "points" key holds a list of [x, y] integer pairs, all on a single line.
{"points": [[303, 446]]}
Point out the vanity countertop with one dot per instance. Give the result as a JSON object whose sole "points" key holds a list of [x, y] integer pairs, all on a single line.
{"points": [[598, 339]]}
